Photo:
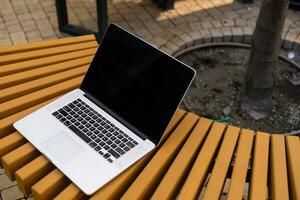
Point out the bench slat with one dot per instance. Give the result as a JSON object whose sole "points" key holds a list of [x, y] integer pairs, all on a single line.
{"points": [[45, 61], [293, 159], [30, 55], [18, 158], [176, 174], [29, 174], [147, 180], [31, 99], [219, 172], [115, 188], [46, 44], [199, 171], [14, 79], [238, 177], [6, 125], [38, 84], [72, 192], [10, 143], [259, 171], [49, 186], [279, 179]]}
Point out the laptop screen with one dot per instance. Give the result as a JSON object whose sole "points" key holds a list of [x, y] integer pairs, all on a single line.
{"points": [[137, 82]]}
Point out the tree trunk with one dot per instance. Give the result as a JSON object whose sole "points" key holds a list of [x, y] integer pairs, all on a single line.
{"points": [[266, 42]]}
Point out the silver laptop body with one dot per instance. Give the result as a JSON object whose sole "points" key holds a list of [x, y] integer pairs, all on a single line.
{"points": [[117, 116]]}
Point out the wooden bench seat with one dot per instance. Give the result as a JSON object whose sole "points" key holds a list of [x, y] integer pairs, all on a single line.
{"points": [[197, 157]]}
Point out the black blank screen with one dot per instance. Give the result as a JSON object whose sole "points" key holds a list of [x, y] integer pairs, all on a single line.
{"points": [[136, 81]]}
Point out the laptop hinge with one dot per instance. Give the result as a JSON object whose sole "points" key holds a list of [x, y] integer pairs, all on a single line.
{"points": [[117, 117]]}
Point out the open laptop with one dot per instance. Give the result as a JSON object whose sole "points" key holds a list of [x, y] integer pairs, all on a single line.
{"points": [[120, 112]]}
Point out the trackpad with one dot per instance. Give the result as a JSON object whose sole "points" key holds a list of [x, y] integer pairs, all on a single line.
{"points": [[63, 147]]}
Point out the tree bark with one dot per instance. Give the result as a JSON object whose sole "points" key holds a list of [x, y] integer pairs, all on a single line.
{"points": [[266, 42]]}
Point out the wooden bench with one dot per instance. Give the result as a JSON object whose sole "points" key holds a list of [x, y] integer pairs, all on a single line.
{"points": [[197, 156]]}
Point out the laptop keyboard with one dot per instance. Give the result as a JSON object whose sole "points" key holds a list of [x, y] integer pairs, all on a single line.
{"points": [[104, 137]]}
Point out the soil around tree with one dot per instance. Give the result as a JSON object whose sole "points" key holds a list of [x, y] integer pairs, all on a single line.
{"points": [[216, 89]]}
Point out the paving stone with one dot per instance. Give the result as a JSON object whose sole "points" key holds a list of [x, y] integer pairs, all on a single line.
{"points": [[11, 193], [18, 38], [216, 34], [248, 32], [237, 33], [14, 28], [227, 34], [289, 39], [5, 182]]}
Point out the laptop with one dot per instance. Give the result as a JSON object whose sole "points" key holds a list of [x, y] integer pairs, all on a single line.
{"points": [[119, 114]]}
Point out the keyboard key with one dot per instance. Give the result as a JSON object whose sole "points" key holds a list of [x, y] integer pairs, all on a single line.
{"points": [[68, 117], [67, 123], [134, 142], [81, 127], [80, 112], [76, 123], [73, 120], [96, 132], [92, 128], [116, 133], [107, 126], [92, 121], [72, 113], [100, 128], [84, 130], [89, 133], [100, 152], [71, 105], [97, 148], [117, 141], [124, 140], [126, 148], [80, 119], [119, 150], [113, 146], [83, 115], [62, 119], [113, 138], [108, 134], [66, 108], [113, 153], [120, 136], [93, 137], [83, 122], [76, 109], [92, 144], [122, 145], [96, 125], [88, 118], [125, 135], [99, 120], [104, 131], [130, 139], [88, 125], [111, 129], [64, 113], [130, 144], [95, 117], [98, 140], [55, 113], [109, 160], [80, 134], [109, 142], [76, 116], [107, 155], [102, 144], [104, 138], [106, 147]]}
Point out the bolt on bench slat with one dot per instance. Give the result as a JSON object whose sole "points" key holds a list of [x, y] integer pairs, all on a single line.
{"points": [[196, 177], [177, 171]]}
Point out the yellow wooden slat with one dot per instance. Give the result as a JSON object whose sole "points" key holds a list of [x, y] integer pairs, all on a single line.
{"points": [[219, 172], [71, 192], [147, 180], [45, 61], [6, 125], [31, 99], [17, 78], [10, 143], [168, 187], [29, 174], [198, 174], [18, 158], [46, 44], [259, 169], [31, 86], [30, 55], [50, 185], [279, 179], [293, 159], [115, 188], [239, 173]]}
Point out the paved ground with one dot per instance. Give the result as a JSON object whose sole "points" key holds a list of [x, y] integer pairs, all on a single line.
{"points": [[191, 22]]}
